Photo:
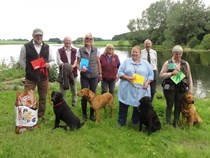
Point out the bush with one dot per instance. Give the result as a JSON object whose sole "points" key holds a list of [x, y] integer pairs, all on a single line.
{"points": [[205, 42], [193, 42], [53, 73]]}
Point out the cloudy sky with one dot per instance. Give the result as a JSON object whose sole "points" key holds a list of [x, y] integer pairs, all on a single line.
{"points": [[75, 18]]}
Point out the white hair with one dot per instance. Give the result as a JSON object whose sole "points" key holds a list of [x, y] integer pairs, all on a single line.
{"points": [[177, 48]]}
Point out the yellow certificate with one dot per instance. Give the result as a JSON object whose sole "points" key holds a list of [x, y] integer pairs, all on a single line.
{"points": [[138, 79]]}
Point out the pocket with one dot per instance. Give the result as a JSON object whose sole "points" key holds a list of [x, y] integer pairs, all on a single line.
{"points": [[183, 87]]}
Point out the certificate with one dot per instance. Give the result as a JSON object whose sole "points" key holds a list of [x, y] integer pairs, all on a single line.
{"points": [[84, 63], [178, 78], [139, 79]]}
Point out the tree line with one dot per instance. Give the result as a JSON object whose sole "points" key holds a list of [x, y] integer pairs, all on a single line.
{"points": [[167, 22]]}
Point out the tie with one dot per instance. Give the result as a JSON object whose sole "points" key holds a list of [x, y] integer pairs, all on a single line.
{"points": [[148, 56]]}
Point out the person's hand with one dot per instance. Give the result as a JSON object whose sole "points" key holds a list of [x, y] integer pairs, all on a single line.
{"points": [[146, 84], [99, 78], [175, 72], [129, 78], [47, 65], [74, 65], [84, 69]]}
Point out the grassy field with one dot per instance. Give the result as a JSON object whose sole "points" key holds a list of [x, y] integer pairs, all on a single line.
{"points": [[96, 43], [102, 140]]}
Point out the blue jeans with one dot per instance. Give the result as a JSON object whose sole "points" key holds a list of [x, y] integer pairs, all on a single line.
{"points": [[123, 112]]}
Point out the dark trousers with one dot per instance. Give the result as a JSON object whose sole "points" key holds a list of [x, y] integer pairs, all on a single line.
{"points": [[90, 83], [123, 112], [153, 84], [173, 97], [42, 92], [105, 84]]}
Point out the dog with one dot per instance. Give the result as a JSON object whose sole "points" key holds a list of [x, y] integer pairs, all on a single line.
{"points": [[188, 110], [63, 112], [148, 116], [97, 101]]}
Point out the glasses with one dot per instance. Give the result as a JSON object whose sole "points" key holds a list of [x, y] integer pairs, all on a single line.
{"points": [[88, 38], [111, 48]]}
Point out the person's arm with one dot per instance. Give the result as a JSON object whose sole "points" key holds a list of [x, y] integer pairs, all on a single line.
{"points": [[58, 57], [189, 77], [163, 73], [22, 57], [51, 59], [150, 76]]}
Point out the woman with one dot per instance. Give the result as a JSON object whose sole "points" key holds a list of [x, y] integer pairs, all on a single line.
{"points": [[135, 74], [177, 80], [109, 65], [88, 63]]}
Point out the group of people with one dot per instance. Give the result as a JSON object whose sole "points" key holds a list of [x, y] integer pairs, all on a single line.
{"points": [[138, 74]]}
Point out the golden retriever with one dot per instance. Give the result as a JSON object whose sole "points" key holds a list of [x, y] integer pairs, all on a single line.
{"points": [[188, 110], [97, 101]]}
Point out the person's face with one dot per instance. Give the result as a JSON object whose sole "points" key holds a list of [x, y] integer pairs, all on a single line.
{"points": [[88, 41], [38, 39], [67, 42], [177, 56], [147, 45], [110, 50], [135, 53]]}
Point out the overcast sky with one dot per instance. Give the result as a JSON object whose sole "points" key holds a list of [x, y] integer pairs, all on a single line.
{"points": [[75, 18]]}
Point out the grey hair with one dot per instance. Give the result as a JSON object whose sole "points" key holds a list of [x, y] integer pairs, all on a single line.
{"points": [[177, 48]]}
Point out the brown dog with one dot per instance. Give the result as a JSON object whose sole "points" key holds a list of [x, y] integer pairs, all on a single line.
{"points": [[189, 114], [97, 101]]}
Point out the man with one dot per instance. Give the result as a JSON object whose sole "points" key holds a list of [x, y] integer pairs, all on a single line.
{"points": [[151, 56], [67, 54], [37, 49]]}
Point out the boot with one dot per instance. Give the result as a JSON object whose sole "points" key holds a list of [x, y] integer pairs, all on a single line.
{"points": [[92, 116], [84, 110]]}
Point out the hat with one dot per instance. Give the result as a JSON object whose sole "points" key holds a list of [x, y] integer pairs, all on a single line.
{"points": [[177, 48], [37, 32]]}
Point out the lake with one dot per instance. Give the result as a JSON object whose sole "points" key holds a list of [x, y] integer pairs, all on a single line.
{"points": [[199, 62]]}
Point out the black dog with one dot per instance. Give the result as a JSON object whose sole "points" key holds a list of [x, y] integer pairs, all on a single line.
{"points": [[148, 116], [63, 112]]}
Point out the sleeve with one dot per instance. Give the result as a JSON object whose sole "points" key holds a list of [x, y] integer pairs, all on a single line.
{"points": [[164, 71], [58, 57], [150, 72], [51, 58], [22, 57], [121, 69], [189, 78]]}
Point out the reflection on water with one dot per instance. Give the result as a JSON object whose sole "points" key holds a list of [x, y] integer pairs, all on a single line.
{"points": [[199, 62]]}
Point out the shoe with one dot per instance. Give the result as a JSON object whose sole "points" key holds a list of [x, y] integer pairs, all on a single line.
{"points": [[84, 117], [175, 125], [92, 118]]}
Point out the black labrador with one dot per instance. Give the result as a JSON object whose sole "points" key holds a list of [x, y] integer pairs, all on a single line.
{"points": [[148, 116], [63, 112]]}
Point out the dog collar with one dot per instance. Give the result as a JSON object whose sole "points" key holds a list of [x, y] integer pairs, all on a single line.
{"points": [[58, 104]]}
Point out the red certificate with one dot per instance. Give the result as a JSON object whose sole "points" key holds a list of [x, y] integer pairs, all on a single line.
{"points": [[38, 63]]}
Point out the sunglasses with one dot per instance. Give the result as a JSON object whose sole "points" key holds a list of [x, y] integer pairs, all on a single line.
{"points": [[88, 38]]}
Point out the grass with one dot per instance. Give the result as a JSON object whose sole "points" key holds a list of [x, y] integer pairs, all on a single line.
{"points": [[104, 139]]}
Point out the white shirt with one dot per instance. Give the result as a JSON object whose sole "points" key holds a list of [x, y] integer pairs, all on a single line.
{"points": [[153, 57], [22, 57], [68, 54]]}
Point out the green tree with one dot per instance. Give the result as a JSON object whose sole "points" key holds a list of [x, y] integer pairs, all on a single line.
{"points": [[185, 21], [206, 42]]}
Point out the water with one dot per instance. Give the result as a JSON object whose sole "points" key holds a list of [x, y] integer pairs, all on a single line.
{"points": [[199, 63]]}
